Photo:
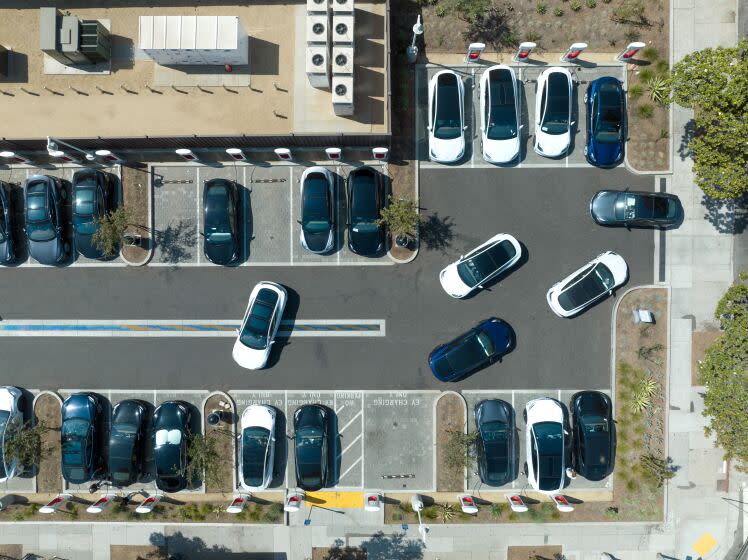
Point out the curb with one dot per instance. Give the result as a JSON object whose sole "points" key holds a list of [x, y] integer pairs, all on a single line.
{"points": [[233, 433], [33, 409], [418, 236], [151, 247]]}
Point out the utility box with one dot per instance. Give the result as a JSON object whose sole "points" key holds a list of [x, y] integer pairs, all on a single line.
{"points": [[49, 21], [71, 41], [200, 40]]}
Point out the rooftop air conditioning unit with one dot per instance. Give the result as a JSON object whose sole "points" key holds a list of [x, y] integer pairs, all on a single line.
{"points": [[342, 95], [313, 6], [342, 60], [318, 66], [342, 6], [342, 28], [317, 28]]}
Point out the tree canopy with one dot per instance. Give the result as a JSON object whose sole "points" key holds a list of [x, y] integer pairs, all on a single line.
{"points": [[724, 372]]}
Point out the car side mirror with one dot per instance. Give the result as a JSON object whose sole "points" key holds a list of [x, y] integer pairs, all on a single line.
{"points": [[429, 128], [236, 331], [480, 286], [572, 123], [464, 127], [202, 234], [298, 222], [462, 256], [521, 126], [610, 292]]}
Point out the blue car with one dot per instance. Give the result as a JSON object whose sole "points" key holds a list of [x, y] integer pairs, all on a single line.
{"points": [[474, 350], [606, 115], [82, 457], [43, 197], [7, 248]]}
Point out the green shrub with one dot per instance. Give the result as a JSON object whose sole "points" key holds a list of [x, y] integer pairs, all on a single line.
{"points": [[430, 512], [74, 511], [649, 53], [611, 512], [190, 512], [664, 134], [541, 8], [555, 514], [396, 516], [646, 74], [575, 5], [631, 34], [535, 514], [497, 510], [662, 66], [513, 516], [635, 92], [558, 12], [273, 512], [591, 3]]}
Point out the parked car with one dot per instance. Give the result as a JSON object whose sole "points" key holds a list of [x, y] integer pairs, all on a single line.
{"points": [[553, 112], [257, 334], [311, 427], [606, 114], [92, 200], [43, 196], [365, 202], [481, 265], [7, 221], [474, 350], [446, 117], [499, 114], [546, 444], [635, 209], [585, 286], [257, 447], [127, 441], [221, 219], [594, 434], [11, 421], [82, 458], [317, 210], [171, 429], [496, 443]]}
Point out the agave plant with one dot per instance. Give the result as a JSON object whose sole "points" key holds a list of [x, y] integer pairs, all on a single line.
{"points": [[647, 387], [446, 512], [659, 89]]}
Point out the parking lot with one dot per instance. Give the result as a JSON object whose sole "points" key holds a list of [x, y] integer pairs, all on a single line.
{"points": [[271, 210], [527, 76]]}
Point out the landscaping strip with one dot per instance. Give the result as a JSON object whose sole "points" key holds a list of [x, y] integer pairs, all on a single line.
{"points": [[47, 410], [137, 196]]}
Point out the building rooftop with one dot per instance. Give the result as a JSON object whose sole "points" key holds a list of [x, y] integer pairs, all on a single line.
{"points": [[137, 97]]}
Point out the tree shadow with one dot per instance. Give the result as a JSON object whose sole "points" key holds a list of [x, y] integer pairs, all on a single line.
{"points": [[387, 547], [176, 242], [178, 546], [727, 216], [689, 131], [436, 232]]}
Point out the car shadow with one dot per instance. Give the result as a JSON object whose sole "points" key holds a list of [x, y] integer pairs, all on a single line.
{"points": [[148, 465], [246, 225], [287, 324], [281, 450], [335, 450]]}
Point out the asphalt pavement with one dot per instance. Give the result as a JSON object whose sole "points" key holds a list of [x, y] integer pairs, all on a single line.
{"points": [[546, 209]]}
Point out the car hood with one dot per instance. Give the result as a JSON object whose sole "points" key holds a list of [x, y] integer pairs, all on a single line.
{"points": [[249, 358], [452, 283], [493, 411], [46, 252], [501, 151], [501, 334], [317, 242], [447, 151], [603, 206], [551, 145], [86, 247], [605, 154], [365, 242], [220, 253]]}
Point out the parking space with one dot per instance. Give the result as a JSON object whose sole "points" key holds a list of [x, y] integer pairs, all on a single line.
{"points": [[16, 176], [518, 400], [269, 218], [527, 83]]}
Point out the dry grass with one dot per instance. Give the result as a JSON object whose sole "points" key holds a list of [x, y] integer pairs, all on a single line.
{"points": [[48, 479], [224, 445], [450, 416]]}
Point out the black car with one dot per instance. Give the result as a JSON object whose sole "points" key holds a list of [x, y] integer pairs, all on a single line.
{"points": [[594, 434], [91, 202], [496, 443], [126, 439], [80, 437], [635, 208], [7, 247], [311, 426], [221, 219], [317, 210], [365, 202], [171, 428], [43, 196]]}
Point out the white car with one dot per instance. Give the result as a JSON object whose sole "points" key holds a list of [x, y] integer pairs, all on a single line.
{"points": [[256, 447], [499, 114], [546, 441], [11, 420], [480, 265], [446, 117], [582, 288], [261, 321], [553, 112]]}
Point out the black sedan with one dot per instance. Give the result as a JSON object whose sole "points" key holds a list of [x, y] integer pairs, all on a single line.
{"points": [[43, 196], [126, 440], [496, 443], [365, 202], [171, 428], [317, 210], [221, 219], [7, 247], [635, 208], [594, 434], [91, 202], [311, 426], [80, 439]]}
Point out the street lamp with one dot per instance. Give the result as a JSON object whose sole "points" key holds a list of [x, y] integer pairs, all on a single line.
{"points": [[53, 146], [412, 50]]}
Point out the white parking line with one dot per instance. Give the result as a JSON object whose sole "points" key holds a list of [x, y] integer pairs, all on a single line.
{"points": [[197, 206], [347, 447], [290, 219], [351, 421], [356, 462]]}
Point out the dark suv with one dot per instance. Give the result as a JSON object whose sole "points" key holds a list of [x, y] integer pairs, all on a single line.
{"points": [[126, 440], [80, 438], [43, 196], [92, 200]]}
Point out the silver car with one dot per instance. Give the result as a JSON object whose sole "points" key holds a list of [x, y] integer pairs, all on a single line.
{"points": [[11, 420]]}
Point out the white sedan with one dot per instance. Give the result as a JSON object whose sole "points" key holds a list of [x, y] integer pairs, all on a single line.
{"points": [[546, 443], [261, 321], [482, 264], [446, 117], [585, 286], [553, 112], [499, 114], [256, 447], [11, 420]]}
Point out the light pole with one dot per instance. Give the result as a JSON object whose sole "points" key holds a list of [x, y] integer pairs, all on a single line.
{"points": [[412, 50], [53, 146]]}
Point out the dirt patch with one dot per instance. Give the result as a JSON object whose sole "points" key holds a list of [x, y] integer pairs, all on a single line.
{"points": [[11, 551], [549, 552], [450, 416], [126, 552], [224, 438], [48, 478], [135, 196], [339, 553], [700, 342]]}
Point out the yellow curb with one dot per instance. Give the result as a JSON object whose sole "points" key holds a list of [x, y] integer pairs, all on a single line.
{"points": [[345, 500]]}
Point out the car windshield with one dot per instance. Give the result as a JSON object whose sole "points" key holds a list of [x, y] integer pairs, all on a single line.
{"points": [[217, 224], [502, 117], [475, 269], [644, 207], [257, 328], [556, 116], [73, 437], [598, 281], [549, 441], [309, 455], [36, 210], [608, 120], [254, 448], [123, 435], [315, 204], [84, 201], [364, 200], [594, 440], [447, 122]]}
